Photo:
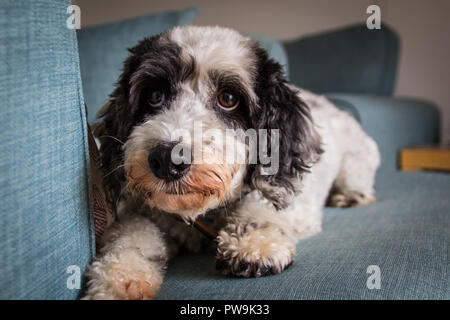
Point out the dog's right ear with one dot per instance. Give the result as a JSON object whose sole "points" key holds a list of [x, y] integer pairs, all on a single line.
{"points": [[299, 145]]}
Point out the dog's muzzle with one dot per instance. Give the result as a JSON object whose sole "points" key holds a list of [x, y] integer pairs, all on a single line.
{"points": [[161, 164], [169, 179]]}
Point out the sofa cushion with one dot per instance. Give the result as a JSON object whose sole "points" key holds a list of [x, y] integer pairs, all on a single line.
{"points": [[104, 48], [394, 123], [405, 233], [349, 60], [45, 224]]}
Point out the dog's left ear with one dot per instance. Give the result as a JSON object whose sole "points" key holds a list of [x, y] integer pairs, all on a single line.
{"points": [[280, 107]]}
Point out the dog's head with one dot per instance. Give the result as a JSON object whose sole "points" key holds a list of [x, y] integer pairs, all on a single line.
{"points": [[181, 105]]}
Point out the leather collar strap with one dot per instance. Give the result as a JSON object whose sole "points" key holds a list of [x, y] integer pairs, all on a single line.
{"points": [[208, 233]]}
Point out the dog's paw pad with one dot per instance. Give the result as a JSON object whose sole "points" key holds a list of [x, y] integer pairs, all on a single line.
{"points": [[139, 290], [140, 282], [349, 199], [247, 269]]}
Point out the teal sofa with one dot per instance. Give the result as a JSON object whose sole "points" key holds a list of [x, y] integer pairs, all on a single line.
{"points": [[47, 233]]}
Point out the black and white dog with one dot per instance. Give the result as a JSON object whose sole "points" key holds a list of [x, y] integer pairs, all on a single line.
{"points": [[220, 80]]}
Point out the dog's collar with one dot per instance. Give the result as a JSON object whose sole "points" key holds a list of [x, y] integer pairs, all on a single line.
{"points": [[208, 233]]}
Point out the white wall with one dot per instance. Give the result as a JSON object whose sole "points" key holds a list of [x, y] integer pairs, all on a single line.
{"points": [[423, 26]]}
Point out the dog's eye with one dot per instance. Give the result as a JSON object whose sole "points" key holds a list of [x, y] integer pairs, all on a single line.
{"points": [[228, 100], [156, 98]]}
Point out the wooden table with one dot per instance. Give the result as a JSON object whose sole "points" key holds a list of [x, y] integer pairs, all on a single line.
{"points": [[425, 158]]}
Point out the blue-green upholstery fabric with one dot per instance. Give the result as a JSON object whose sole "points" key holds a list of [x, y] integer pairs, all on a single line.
{"points": [[103, 49], [44, 195], [406, 232], [350, 60]]}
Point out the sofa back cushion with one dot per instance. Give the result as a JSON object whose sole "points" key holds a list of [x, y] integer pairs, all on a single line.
{"points": [[350, 60], [103, 50], [45, 228]]}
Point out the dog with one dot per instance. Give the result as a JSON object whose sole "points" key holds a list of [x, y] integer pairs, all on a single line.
{"points": [[223, 80]]}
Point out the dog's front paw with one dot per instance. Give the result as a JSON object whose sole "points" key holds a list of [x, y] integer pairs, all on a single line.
{"points": [[349, 199], [247, 251], [125, 276]]}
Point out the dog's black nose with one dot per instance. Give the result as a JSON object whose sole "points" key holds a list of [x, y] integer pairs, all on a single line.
{"points": [[160, 163]]}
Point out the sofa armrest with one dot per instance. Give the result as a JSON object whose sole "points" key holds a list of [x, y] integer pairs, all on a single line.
{"points": [[395, 123], [45, 190]]}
